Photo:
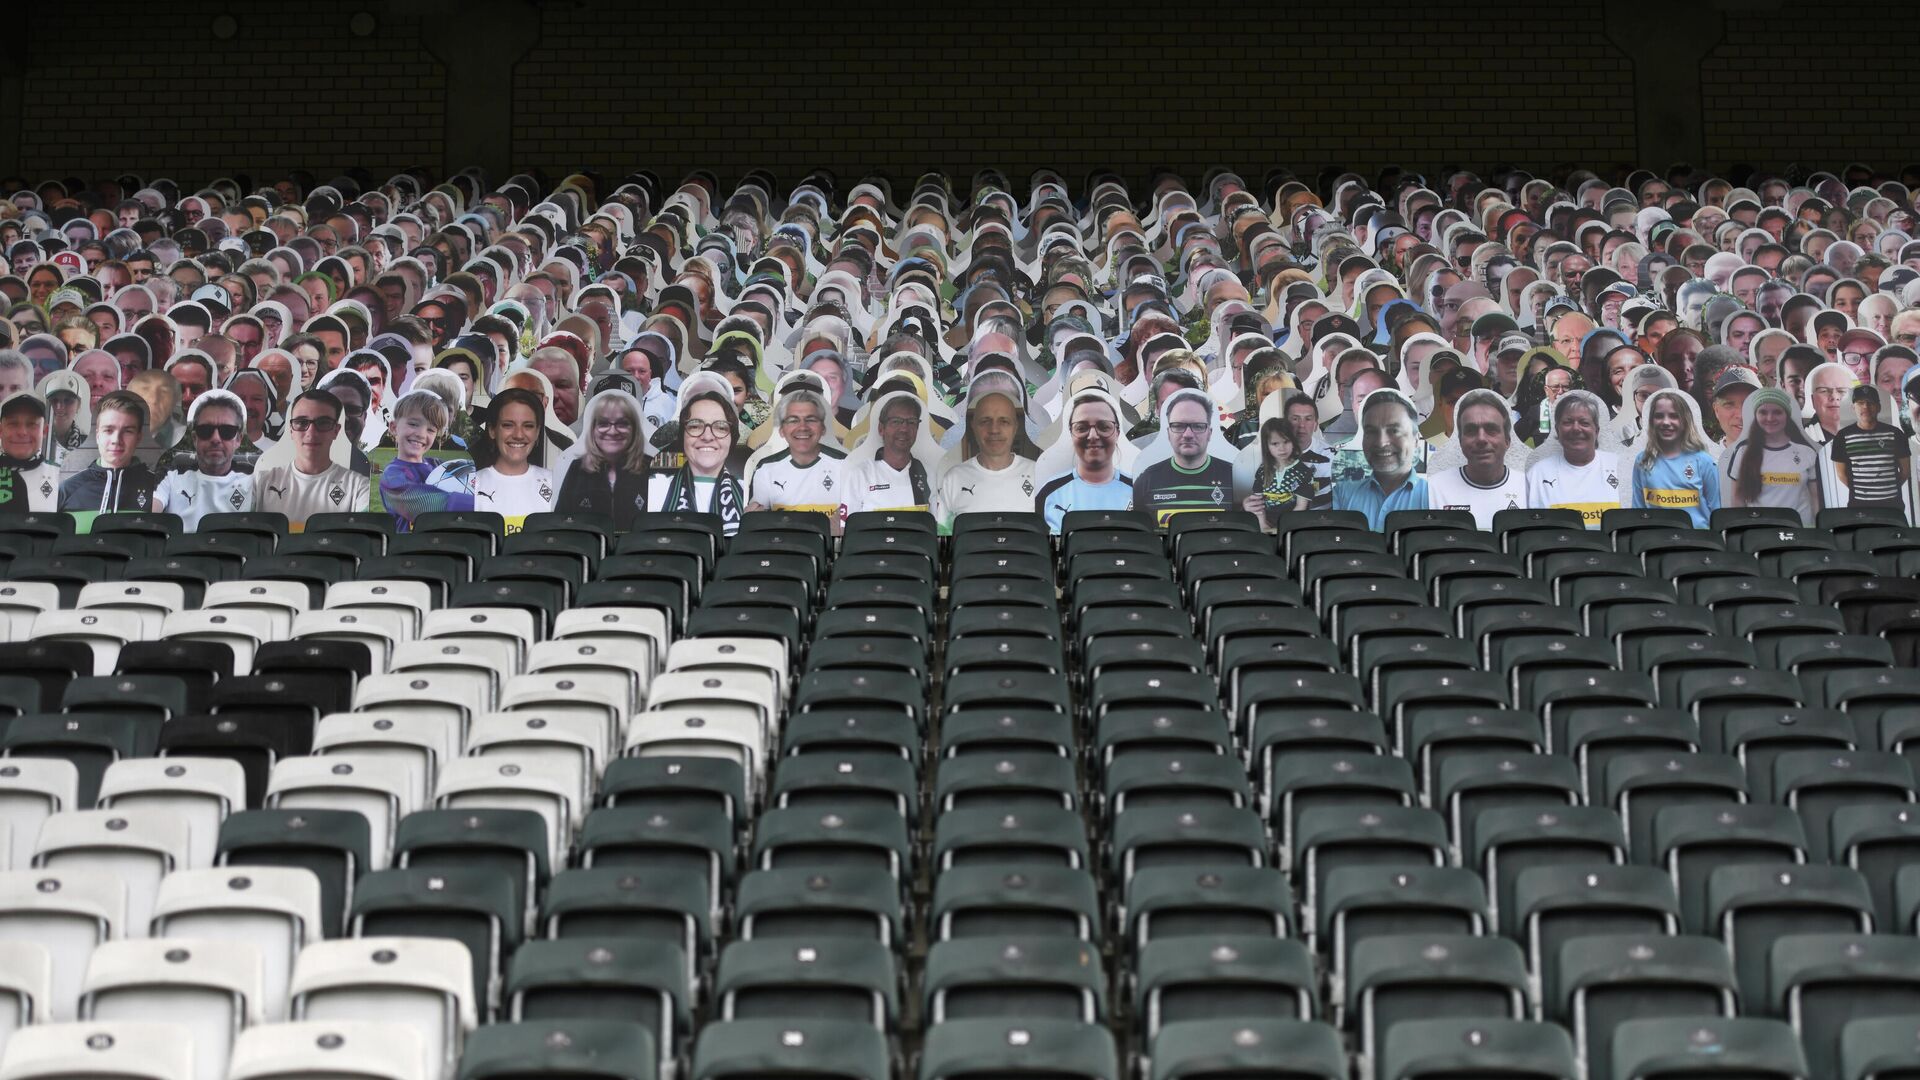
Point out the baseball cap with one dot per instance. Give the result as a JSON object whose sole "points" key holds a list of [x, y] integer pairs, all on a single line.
{"points": [[1494, 323], [26, 400], [1734, 377], [1511, 342], [1860, 333], [1864, 392], [1459, 381]]}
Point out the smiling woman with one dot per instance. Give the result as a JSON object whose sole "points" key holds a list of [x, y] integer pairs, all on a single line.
{"points": [[513, 486], [709, 429]]}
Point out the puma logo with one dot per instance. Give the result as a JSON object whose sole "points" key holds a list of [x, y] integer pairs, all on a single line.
{"points": [[487, 495], [1546, 483], [968, 490], [187, 497], [276, 491], [781, 484]]}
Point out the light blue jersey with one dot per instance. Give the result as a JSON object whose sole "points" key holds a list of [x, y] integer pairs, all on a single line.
{"points": [[1068, 492], [1366, 496], [1689, 482]]}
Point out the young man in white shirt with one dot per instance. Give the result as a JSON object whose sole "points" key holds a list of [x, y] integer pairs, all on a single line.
{"points": [[1484, 486], [312, 484], [217, 422]]}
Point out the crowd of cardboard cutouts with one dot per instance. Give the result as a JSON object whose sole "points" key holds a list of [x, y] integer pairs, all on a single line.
{"points": [[1291, 344]]}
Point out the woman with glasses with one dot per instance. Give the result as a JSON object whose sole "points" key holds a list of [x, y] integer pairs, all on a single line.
{"points": [[513, 486], [610, 475], [806, 474], [708, 429]]}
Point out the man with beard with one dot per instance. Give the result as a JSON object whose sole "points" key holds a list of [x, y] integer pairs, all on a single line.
{"points": [[1484, 486], [1191, 479], [1095, 481], [29, 483], [212, 485]]}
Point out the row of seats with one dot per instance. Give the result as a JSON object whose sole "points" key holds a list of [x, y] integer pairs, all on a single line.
{"points": [[1205, 802]]}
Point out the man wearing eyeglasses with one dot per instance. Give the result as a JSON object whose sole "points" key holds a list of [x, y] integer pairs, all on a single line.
{"points": [[1095, 482], [212, 486], [892, 479], [313, 483], [1190, 479]]}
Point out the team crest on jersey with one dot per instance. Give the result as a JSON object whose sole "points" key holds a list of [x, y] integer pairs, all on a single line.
{"points": [[1219, 497], [46, 488], [1026, 486], [1613, 480], [546, 492], [337, 494], [238, 498], [826, 483], [1689, 472], [140, 499]]}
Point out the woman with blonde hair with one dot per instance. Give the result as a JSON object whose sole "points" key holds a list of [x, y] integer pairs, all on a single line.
{"points": [[1673, 469], [610, 475]]}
